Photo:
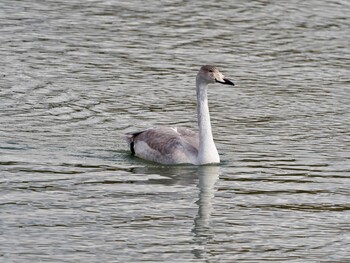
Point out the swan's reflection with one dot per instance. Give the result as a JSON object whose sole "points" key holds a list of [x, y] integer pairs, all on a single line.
{"points": [[208, 175]]}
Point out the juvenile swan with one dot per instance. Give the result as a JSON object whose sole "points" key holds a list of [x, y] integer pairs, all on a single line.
{"points": [[175, 145]]}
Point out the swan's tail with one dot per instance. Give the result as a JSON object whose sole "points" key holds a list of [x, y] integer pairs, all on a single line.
{"points": [[129, 137]]}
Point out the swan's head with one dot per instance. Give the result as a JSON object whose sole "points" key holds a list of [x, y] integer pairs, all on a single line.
{"points": [[210, 74]]}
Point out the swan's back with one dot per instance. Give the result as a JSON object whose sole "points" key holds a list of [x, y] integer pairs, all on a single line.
{"points": [[165, 145]]}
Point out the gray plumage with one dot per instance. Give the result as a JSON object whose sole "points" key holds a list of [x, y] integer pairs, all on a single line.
{"points": [[167, 145]]}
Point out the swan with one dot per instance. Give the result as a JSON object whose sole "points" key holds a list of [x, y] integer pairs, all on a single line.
{"points": [[177, 145]]}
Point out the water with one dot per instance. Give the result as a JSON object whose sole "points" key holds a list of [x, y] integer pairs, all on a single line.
{"points": [[75, 75]]}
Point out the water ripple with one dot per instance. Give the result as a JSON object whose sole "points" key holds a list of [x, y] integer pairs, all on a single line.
{"points": [[76, 75]]}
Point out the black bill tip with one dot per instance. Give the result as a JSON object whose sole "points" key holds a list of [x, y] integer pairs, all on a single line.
{"points": [[226, 82]]}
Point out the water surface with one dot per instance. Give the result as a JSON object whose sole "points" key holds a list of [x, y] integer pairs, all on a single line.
{"points": [[75, 75]]}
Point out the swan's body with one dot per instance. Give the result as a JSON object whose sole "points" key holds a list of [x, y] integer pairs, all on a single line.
{"points": [[174, 145]]}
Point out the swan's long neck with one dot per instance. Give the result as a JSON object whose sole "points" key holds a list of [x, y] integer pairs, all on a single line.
{"points": [[207, 152]]}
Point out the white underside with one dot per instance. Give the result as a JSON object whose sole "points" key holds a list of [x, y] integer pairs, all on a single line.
{"points": [[178, 156]]}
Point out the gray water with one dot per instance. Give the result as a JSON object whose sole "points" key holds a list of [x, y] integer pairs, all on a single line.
{"points": [[75, 75]]}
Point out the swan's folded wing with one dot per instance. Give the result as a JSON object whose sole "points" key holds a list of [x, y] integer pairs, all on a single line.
{"points": [[165, 145]]}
